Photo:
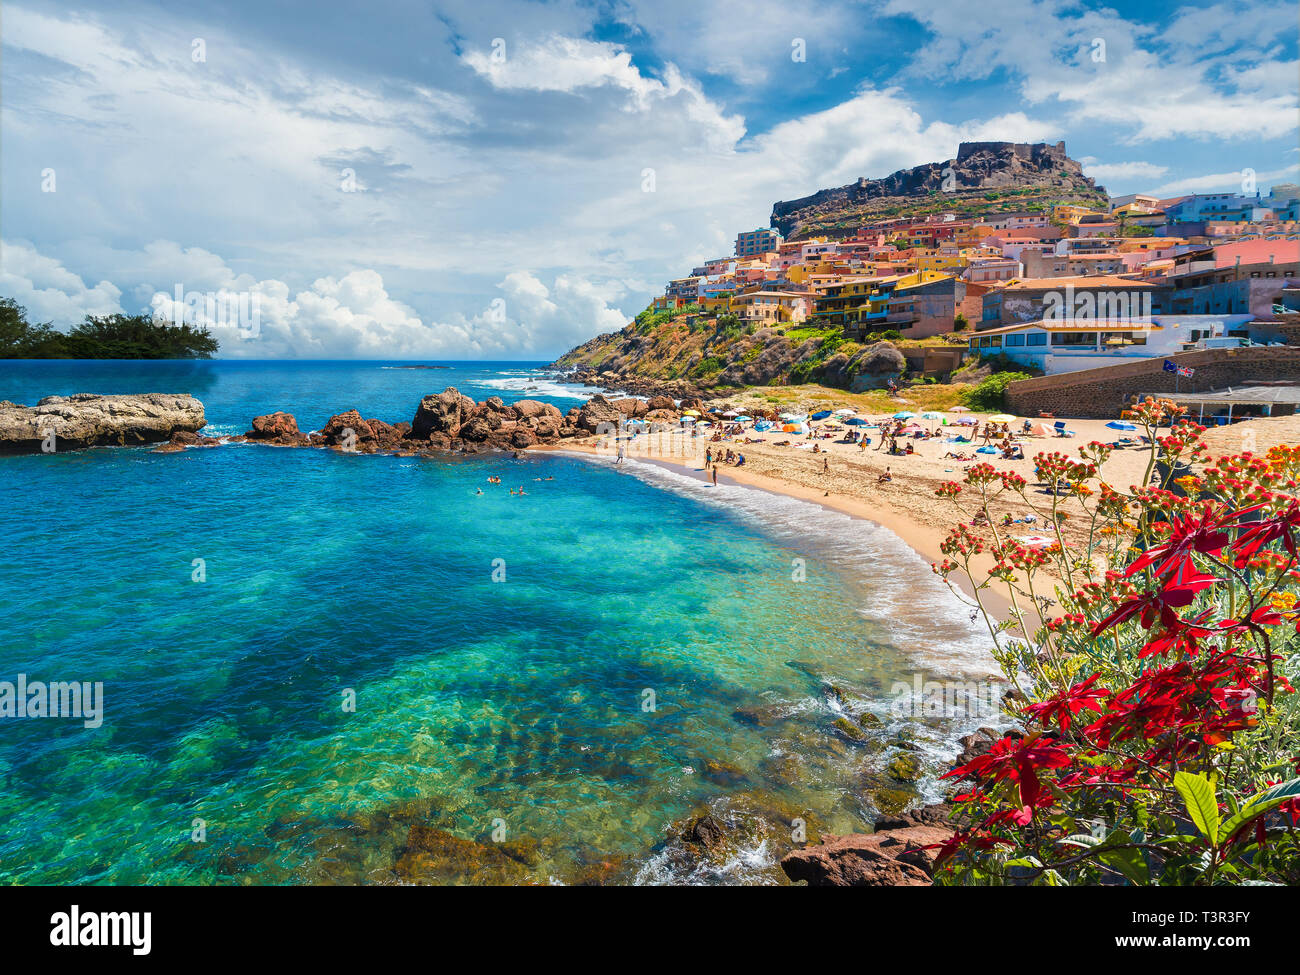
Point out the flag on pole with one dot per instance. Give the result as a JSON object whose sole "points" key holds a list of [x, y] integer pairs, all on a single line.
{"points": [[1186, 371], [1170, 366]]}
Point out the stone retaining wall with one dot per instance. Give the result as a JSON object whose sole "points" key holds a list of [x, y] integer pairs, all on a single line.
{"points": [[1102, 393]]}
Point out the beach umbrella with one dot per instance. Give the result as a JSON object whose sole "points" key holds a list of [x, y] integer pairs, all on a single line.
{"points": [[744, 419], [959, 409], [820, 415], [1120, 425], [1002, 418], [688, 419], [729, 413], [931, 415], [967, 421], [844, 411], [904, 415], [856, 421]]}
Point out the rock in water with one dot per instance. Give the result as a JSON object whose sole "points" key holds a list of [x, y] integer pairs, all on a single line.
{"points": [[896, 858], [277, 428], [59, 423], [441, 414]]}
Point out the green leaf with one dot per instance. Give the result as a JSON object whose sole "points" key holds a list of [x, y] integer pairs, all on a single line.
{"points": [[1081, 839], [1259, 804], [1198, 796], [1130, 863]]}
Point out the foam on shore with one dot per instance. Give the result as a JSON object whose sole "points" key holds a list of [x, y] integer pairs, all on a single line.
{"points": [[900, 592]]}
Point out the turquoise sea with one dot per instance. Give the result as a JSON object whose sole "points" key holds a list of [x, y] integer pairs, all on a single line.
{"points": [[646, 657]]}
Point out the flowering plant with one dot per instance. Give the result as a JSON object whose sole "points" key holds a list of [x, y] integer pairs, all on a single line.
{"points": [[1151, 640]]}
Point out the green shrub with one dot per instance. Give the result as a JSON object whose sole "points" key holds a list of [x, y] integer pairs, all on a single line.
{"points": [[708, 366], [988, 394]]}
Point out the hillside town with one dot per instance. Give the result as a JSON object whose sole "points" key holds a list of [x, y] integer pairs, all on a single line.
{"points": [[1053, 288]]}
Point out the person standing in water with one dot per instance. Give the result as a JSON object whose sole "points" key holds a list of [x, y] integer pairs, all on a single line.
{"points": [[715, 475]]}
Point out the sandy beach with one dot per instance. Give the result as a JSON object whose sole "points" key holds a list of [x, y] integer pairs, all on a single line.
{"points": [[846, 477]]}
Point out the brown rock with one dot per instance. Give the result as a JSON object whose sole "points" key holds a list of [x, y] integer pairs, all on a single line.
{"points": [[597, 412], [891, 859], [705, 831], [443, 413], [347, 430], [631, 407], [526, 408]]}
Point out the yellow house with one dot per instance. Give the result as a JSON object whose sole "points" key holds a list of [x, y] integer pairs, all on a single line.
{"points": [[718, 305], [938, 262], [1070, 212]]}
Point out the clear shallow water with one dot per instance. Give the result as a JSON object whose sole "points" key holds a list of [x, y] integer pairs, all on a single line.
{"points": [[479, 704]]}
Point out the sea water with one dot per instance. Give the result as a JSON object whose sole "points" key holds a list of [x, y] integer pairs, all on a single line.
{"points": [[308, 657]]}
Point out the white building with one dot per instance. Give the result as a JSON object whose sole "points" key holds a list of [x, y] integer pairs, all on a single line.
{"points": [[1069, 345]]}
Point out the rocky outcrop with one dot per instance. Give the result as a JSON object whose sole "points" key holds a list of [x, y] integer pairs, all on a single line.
{"points": [[278, 428], [441, 414], [59, 423], [182, 439], [597, 412], [444, 421], [900, 853], [891, 858]]}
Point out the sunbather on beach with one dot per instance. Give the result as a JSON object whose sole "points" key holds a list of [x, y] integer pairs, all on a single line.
{"points": [[885, 477]]}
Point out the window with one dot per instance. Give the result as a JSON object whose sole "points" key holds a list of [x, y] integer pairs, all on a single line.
{"points": [[1075, 338], [1017, 339], [1036, 338]]}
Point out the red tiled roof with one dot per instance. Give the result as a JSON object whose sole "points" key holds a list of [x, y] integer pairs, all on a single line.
{"points": [[1257, 252]]}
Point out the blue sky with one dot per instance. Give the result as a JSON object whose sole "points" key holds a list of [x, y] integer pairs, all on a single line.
{"points": [[499, 205]]}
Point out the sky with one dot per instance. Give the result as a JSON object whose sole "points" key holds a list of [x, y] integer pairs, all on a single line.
{"points": [[504, 180]]}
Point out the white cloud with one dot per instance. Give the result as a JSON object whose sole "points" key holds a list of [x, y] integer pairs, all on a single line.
{"points": [[48, 290], [1222, 182], [1122, 170], [350, 316]]}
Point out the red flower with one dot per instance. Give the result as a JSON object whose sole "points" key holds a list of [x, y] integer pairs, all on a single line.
{"points": [[1189, 535], [1070, 702], [1279, 527], [1016, 759]]}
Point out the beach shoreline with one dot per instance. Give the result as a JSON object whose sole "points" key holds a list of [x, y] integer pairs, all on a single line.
{"points": [[922, 539]]}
